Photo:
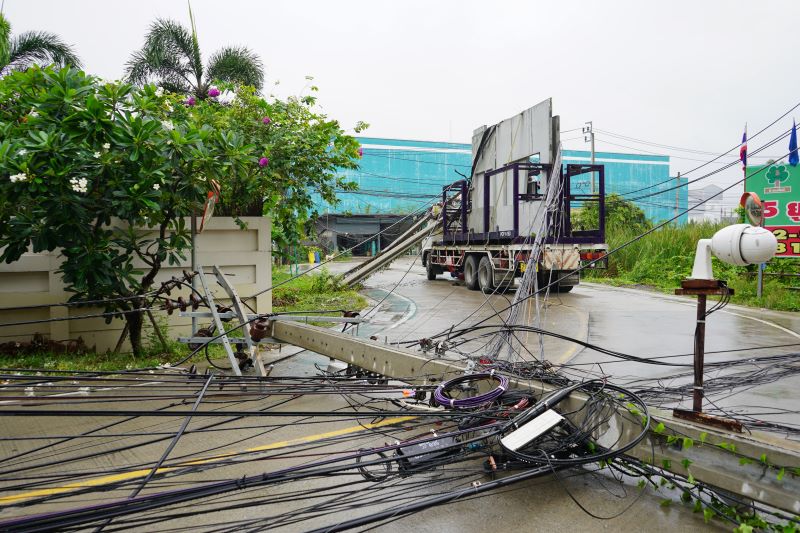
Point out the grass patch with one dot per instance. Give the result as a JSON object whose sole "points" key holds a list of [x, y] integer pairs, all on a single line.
{"points": [[664, 258], [312, 292]]}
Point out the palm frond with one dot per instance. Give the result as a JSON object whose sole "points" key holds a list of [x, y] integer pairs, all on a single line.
{"points": [[169, 52], [5, 40], [196, 57], [236, 65], [40, 47]]}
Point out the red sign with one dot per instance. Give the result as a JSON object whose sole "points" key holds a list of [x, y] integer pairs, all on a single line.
{"points": [[788, 240]]}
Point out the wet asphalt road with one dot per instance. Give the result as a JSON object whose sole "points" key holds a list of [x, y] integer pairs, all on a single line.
{"points": [[636, 322]]}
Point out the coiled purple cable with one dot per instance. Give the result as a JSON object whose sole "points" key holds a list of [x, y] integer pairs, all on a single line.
{"points": [[443, 399]]}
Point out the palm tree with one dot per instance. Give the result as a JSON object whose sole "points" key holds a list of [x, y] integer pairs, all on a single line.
{"points": [[171, 58], [33, 47]]}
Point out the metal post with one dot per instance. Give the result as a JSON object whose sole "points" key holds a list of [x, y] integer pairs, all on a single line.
{"points": [[760, 290], [515, 194], [677, 196], [699, 353], [588, 130], [193, 226]]}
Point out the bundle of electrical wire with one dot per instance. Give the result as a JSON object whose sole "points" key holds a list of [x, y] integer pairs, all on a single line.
{"points": [[443, 398]]}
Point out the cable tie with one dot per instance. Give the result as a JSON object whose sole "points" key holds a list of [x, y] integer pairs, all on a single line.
{"points": [[695, 387], [701, 321], [451, 402]]}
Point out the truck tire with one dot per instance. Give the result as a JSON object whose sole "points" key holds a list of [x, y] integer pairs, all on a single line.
{"points": [[486, 275], [431, 270], [471, 272]]}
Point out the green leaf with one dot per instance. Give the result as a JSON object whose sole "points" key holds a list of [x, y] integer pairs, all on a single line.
{"points": [[659, 429], [687, 443], [781, 473], [763, 458], [703, 437], [745, 461], [686, 463], [708, 514], [666, 502], [666, 463], [744, 528]]}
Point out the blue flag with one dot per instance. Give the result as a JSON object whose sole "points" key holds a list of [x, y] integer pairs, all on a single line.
{"points": [[793, 159]]}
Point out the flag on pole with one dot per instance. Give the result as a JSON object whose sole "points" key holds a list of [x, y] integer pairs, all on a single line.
{"points": [[743, 150], [793, 158]]}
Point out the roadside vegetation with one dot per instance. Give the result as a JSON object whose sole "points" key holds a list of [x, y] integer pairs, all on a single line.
{"points": [[314, 292], [308, 293], [662, 259]]}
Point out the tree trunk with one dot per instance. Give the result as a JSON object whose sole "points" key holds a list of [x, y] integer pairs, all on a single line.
{"points": [[135, 321]]}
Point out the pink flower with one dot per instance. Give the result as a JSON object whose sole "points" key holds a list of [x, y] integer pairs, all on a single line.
{"points": [[213, 92], [190, 101], [264, 161], [360, 152], [266, 120]]}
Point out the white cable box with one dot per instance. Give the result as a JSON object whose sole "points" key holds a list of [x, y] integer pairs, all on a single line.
{"points": [[531, 430]]}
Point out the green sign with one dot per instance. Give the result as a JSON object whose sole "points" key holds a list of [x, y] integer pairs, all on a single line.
{"points": [[778, 187]]}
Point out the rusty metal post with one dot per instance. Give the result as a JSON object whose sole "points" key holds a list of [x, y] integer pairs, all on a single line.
{"points": [[703, 288], [699, 354]]}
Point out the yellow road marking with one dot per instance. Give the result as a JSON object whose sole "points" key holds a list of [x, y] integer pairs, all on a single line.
{"points": [[134, 474]]}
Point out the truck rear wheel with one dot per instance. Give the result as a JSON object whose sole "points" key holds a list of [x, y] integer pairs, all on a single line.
{"points": [[471, 272], [486, 275], [431, 270]]}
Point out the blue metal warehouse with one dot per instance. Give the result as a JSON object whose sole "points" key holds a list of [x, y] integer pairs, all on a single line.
{"points": [[398, 176]]}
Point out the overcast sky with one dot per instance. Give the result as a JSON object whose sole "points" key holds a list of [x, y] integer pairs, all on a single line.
{"points": [[680, 73]]}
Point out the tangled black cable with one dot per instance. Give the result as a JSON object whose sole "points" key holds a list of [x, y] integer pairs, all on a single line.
{"points": [[570, 448]]}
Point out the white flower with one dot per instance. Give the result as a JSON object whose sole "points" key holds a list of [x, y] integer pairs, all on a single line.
{"points": [[97, 155], [160, 92], [79, 185], [156, 186], [169, 107], [22, 152], [167, 125], [33, 113], [106, 146], [226, 97], [18, 177]]}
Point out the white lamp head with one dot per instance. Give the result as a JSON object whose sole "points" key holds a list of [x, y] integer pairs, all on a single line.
{"points": [[739, 244]]}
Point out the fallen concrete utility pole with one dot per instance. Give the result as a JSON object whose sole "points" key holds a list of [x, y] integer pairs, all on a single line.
{"points": [[414, 235], [422, 228], [757, 466]]}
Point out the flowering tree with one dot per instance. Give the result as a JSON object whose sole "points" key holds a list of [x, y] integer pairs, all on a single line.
{"points": [[105, 173], [301, 152]]}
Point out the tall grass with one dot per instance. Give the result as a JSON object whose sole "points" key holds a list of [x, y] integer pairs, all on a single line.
{"points": [[665, 257]]}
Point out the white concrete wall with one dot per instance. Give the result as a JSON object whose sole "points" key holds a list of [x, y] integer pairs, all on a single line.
{"points": [[244, 255]]}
